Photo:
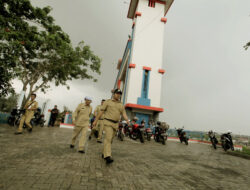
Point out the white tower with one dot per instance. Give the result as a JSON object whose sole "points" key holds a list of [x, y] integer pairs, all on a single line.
{"points": [[140, 69]]}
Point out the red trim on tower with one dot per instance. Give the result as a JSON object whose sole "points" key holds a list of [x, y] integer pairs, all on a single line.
{"points": [[168, 8], [164, 20], [119, 84], [162, 71], [161, 2], [151, 3], [144, 107], [137, 14], [147, 68], [131, 65]]}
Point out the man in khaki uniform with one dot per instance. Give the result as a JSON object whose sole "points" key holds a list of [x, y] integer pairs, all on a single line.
{"points": [[112, 110], [80, 119], [99, 125], [30, 107]]}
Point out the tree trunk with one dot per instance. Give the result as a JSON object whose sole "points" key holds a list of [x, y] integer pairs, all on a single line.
{"points": [[30, 92], [25, 84]]}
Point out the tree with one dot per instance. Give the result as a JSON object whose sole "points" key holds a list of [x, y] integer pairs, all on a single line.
{"points": [[7, 104], [42, 51], [5, 86], [13, 24], [247, 45]]}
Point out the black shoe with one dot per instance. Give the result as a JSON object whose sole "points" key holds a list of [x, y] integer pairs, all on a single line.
{"points": [[109, 160], [81, 151], [30, 130], [89, 137], [72, 146], [99, 141], [18, 133]]}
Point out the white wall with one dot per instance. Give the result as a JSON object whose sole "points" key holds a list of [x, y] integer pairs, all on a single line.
{"points": [[147, 51]]}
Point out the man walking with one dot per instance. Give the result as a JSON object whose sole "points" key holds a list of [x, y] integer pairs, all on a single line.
{"points": [[80, 119], [99, 125], [30, 108], [112, 109], [54, 114]]}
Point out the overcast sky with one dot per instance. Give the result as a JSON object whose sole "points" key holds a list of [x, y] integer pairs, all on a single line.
{"points": [[207, 80]]}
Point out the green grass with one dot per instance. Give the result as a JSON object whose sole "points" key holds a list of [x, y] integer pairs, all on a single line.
{"points": [[245, 153], [246, 150]]}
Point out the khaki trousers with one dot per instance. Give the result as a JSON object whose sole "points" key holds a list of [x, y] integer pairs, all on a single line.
{"points": [[109, 135], [77, 130], [100, 125], [25, 119]]}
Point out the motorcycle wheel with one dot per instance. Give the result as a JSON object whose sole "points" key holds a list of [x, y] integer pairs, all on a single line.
{"points": [[155, 138], [10, 121], [130, 136], [121, 137], [186, 141], [16, 123], [214, 144], [224, 147], [133, 137], [148, 137], [141, 138], [32, 122], [163, 141]]}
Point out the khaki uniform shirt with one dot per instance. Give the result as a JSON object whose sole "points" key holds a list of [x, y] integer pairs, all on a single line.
{"points": [[97, 111], [113, 111], [31, 105], [81, 115]]}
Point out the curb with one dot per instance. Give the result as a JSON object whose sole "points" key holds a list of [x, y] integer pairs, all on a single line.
{"points": [[236, 147], [239, 154]]}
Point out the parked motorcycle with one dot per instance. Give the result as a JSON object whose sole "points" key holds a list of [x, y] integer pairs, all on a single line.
{"points": [[12, 117], [38, 119], [182, 135], [148, 133], [126, 130], [213, 138], [227, 142], [161, 132], [120, 134], [137, 132]]}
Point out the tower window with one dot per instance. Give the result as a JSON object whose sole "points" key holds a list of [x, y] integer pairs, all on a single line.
{"points": [[151, 3], [145, 84]]}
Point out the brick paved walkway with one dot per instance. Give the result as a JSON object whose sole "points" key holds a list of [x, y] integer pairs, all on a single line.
{"points": [[43, 160]]}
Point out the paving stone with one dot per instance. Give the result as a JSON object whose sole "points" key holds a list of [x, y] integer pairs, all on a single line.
{"points": [[43, 160]]}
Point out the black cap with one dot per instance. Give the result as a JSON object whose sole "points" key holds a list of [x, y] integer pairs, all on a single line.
{"points": [[117, 91]]}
